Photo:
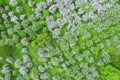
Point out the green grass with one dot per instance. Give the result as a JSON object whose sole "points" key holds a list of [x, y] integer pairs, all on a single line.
{"points": [[37, 1], [17, 54], [33, 52]]}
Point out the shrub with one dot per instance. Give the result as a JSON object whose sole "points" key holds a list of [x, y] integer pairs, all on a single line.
{"points": [[34, 44], [115, 60], [5, 50], [34, 74], [43, 39], [110, 73]]}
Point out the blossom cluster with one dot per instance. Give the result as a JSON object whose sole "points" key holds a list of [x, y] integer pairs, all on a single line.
{"points": [[23, 65]]}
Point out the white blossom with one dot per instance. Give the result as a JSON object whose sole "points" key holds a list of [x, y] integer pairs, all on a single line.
{"points": [[43, 59], [106, 58], [9, 59], [52, 8], [41, 68], [30, 3], [80, 3], [55, 61], [7, 8], [113, 1], [56, 32], [56, 77], [39, 15], [84, 18], [22, 17], [19, 78], [29, 65], [42, 54], [8, 76], [85, 71], [24, 41], [71, 7], [14, 19], [41, 51], [26, 58], [91, 15], [115, 38], [90, 59], [18, 63], [97, 7], [5, 70], [23, 70], [40, 6], [44, 75], [49, 2], [86, 35], [10, 14], [60, 4], [79, 76], [10, 31], [24, 50], [93, 71], [66, 2], [100, 63], [107, 6], [13, 2], [89, 77], [4, 16], [84, 65], [101, 1], [101, 45], [15, 38], [64, 66], [94, 1]]}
